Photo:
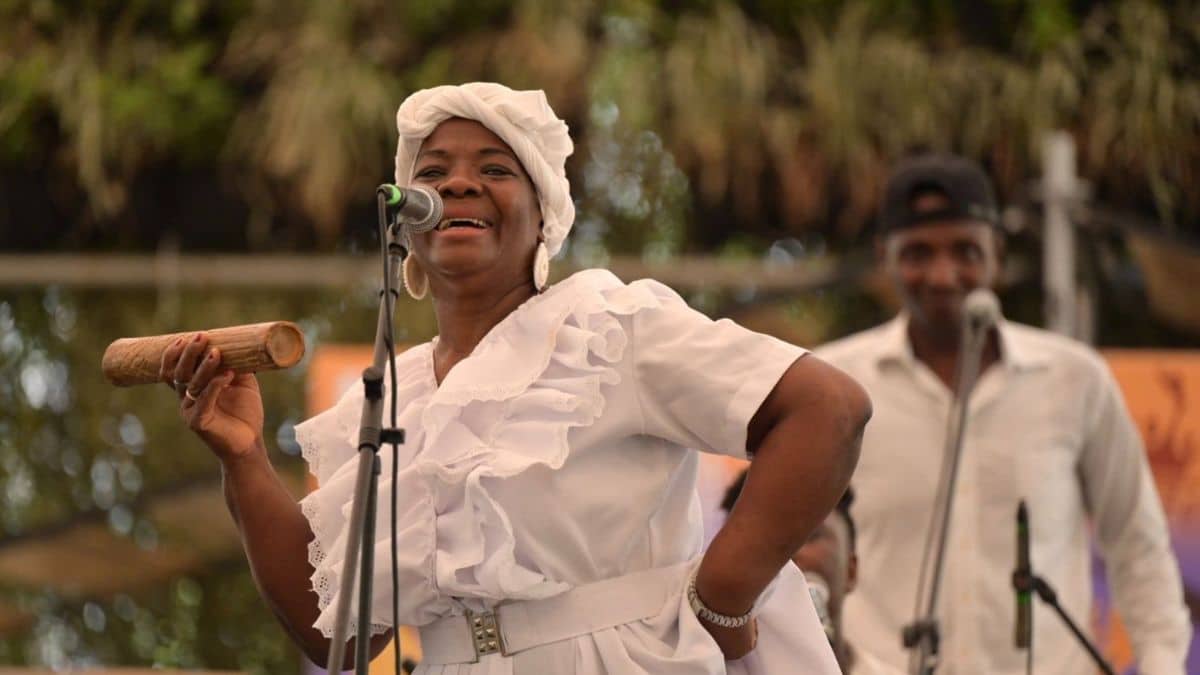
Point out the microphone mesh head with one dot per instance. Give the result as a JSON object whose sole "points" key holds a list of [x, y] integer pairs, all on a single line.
{"points": [[424, 195], [981, 307]]}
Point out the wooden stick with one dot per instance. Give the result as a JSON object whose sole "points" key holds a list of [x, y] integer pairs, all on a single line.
{"points": [[244, 349]]}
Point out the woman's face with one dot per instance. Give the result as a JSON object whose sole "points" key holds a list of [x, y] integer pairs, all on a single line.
{"points": [[492, 219]]}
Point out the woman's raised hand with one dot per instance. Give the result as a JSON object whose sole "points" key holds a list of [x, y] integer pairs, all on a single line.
{"points": [[223, 408]]}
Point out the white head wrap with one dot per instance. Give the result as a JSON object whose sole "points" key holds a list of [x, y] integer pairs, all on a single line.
{"points": [[522, 119]]}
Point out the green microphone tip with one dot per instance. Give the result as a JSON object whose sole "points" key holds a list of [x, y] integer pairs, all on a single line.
{"points": [[393, 195]]}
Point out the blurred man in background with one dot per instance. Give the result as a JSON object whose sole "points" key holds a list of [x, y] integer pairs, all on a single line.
{"points": [[830, 567], [1046, 423]]}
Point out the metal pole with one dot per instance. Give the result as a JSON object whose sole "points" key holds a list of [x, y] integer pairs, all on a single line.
{"points": [[1059, 185]]}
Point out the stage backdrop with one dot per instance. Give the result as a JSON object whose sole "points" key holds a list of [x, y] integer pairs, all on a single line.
{"points": [[1162, 389]]}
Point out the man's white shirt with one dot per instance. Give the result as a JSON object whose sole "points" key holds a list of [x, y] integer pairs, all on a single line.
{"points": [[1045, 424], [867, 664]]}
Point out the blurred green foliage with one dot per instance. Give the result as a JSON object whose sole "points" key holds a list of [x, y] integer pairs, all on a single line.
{"points": [[73, 448], [87, 445], [215, 620], [781, 116]]}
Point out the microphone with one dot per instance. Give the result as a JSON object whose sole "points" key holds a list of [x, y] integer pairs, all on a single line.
{"points": [[418, 208], [981, 309], [1022, 583], [818, 588]]}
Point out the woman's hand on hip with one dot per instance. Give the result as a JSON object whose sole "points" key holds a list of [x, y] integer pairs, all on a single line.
{"points": [[223, 408]]}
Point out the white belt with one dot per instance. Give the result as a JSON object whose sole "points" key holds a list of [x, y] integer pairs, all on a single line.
{"points": [[513, 627]]}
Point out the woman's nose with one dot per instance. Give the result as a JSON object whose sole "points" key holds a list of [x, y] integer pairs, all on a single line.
{"points": [[458, 184]]}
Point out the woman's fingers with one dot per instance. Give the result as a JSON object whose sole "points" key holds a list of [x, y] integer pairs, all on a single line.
{"points": [[185, 367], [204, 373], [170, 357]]}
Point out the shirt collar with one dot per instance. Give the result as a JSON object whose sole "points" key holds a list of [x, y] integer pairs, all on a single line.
{"points": [[893, 342], [1016, 353]]}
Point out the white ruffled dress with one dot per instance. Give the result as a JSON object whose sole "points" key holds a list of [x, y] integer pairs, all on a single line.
{"points": [[555, 455]]}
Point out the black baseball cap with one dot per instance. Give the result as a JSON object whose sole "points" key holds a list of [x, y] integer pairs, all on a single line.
{"points": [[964, 184]]}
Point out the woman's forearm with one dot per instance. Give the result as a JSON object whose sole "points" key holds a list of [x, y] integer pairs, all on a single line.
{"points": [[275, 535], [805, 442]]}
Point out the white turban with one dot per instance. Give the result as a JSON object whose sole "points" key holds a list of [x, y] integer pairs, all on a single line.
{"points": [[522, 119]]}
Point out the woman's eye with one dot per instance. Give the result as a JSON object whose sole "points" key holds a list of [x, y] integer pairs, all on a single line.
{"points": [[431, 172], [496, 170]]}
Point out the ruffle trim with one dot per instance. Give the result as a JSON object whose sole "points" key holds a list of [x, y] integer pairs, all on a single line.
{"points": [[553, 355], [330, 439], [509, 407], [329, 443], [324, 581], [506, 408], [314, 440]]}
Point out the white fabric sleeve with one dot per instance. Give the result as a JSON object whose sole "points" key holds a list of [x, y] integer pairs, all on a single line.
{"points": [[327, 439], [1132, 533], [700, 381]]}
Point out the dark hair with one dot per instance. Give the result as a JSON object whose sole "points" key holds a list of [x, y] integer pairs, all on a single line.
{"points": [[842, 508]]}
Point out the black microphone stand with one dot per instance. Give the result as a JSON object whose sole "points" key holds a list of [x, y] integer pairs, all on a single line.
{"points": [[1025, 581], [923, 636], [361, 528]]}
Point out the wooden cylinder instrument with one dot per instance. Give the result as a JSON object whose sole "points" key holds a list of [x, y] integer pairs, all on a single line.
{"points": [[244, 349]]}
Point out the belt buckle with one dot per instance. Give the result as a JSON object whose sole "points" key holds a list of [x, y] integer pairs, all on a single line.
{"points": [[486, 637]]}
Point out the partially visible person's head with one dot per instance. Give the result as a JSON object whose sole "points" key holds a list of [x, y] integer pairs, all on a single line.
{"points": [[498, 159], [940, 237], [829, 550]]}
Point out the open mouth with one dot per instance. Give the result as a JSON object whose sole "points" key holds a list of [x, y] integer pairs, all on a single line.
{"points": [[451, 223]]}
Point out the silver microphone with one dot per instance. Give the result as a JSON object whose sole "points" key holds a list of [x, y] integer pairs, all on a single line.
{"points": [[818, 588], [418, 208], [981, 309]]}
